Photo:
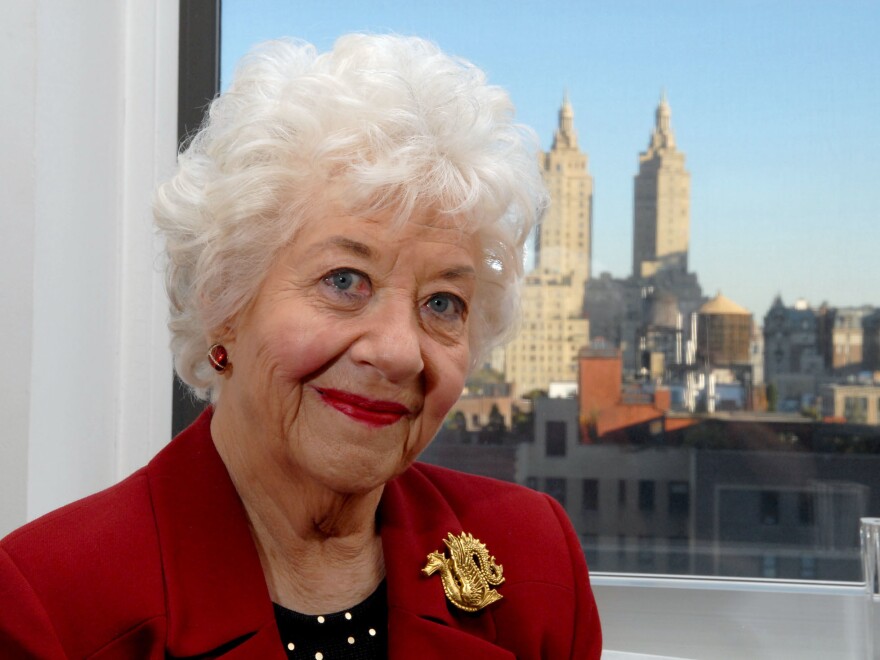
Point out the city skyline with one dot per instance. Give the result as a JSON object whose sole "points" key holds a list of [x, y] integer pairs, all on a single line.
{"points": [[775, 108]]}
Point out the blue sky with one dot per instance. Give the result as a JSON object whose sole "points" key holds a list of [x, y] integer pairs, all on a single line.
{"points": [[775, 103]]}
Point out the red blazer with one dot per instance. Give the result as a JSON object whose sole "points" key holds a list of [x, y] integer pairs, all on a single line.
{"points": [[164, 562]]}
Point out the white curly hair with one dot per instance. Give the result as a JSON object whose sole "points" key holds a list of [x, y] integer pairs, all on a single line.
{"points": [[382, 123]]}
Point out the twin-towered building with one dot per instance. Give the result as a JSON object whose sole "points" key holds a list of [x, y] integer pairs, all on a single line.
{"points": [[564, 310], [659, 319]]}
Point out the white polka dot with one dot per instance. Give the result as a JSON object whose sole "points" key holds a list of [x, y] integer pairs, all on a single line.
{"points": [[351, 640], [290, 646], [372, 632], [348, 615], [319, 656], [320, 619]]}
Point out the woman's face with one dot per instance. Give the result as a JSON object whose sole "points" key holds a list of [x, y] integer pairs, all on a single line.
{"points": [[353, 351]]}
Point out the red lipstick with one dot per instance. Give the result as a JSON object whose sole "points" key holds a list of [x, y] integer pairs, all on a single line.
{"points": [[368, 411]]}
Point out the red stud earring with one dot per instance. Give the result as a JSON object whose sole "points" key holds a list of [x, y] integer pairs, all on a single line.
{"points": [[218, 357]]}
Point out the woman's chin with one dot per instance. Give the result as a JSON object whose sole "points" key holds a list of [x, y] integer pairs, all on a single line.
{"points": [[357, 458], [357, 472], [360, 484]]}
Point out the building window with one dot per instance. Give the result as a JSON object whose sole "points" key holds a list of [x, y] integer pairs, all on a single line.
{"points": [[855, 409], [532, 482], [806, 509], [555, 488], [590, 545], [647, 552], [679, 498], [808, 568], [621, 493], [590, 500], [646, 495], [621, 547], [678, 555], [768, 566], [555, 434], [769, 508]]}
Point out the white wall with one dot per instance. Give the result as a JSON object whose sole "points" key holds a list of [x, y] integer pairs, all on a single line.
{"points": [[88, 127]]}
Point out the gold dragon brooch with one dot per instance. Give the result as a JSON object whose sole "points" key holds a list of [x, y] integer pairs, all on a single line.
{"points": [[468, 574]]}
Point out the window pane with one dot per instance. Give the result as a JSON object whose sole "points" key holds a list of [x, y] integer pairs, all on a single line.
{"points": [[590, 501], [555, 488], [806, 512], [555, 438], [679, 498], [646, 496], [769, 503], [741, 432]]}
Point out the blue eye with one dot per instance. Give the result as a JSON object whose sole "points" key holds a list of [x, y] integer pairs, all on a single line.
{"points": [[343, 280], [447, 306], [348, 283], [439, 304]]}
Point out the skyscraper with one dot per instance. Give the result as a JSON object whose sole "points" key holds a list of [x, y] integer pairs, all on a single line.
{"points": [[563, 242], [648, 312], [661, 205], [554, 327]]}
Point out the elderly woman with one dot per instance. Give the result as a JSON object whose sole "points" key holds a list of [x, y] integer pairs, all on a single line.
{"points": [[344, 242]]}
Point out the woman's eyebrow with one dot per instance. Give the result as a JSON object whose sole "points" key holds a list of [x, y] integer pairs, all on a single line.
{"points": [[458, 273], [355, 247]]}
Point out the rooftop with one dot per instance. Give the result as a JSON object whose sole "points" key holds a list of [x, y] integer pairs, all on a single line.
{"points": [[723, 305]]}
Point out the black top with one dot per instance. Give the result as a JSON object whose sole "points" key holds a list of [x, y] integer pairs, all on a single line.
{"points": [[358, 633]]}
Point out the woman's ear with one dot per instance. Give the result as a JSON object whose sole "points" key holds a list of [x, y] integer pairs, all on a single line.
{"points": [[224, 334]]}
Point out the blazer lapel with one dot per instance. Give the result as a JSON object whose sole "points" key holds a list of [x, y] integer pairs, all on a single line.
{"points": [[414, 519], [218, 601]]}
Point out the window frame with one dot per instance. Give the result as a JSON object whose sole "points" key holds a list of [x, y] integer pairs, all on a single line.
{"points": [[198, 82]]}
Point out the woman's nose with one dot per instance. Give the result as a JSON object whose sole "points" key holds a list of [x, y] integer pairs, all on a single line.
{"points": [[391, 341]]}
